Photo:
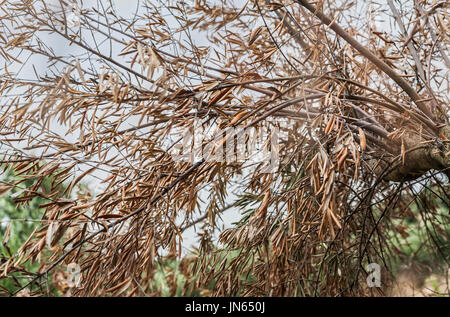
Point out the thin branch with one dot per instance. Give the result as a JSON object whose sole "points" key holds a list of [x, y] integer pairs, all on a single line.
{"points": [[370, 56]]}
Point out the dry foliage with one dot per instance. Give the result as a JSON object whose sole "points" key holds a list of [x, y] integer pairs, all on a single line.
{"points": [[364, 105]]}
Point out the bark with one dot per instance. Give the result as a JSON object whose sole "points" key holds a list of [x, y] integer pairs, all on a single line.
{"points": [[419, 158]]}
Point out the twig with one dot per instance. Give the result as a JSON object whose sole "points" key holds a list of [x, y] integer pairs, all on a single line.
{"points": [[371, 57], [113, 224]]}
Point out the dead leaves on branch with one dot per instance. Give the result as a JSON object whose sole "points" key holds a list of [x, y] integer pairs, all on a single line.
{"points": [[115, 113]]}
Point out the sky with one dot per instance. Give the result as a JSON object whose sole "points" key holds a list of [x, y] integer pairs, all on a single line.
{"points": [[127, 9], [34, 63]]}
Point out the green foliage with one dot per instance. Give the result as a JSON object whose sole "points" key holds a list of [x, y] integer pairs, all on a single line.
{"points": [[168, 279], [174, 277], [22, 220], [424, 242], [422, 237]]}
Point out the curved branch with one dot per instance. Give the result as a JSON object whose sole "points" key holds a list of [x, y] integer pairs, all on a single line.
{"points": [[371, 57]]}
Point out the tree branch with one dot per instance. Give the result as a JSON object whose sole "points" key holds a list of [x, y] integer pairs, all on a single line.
{"points": [[371, 57]]}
